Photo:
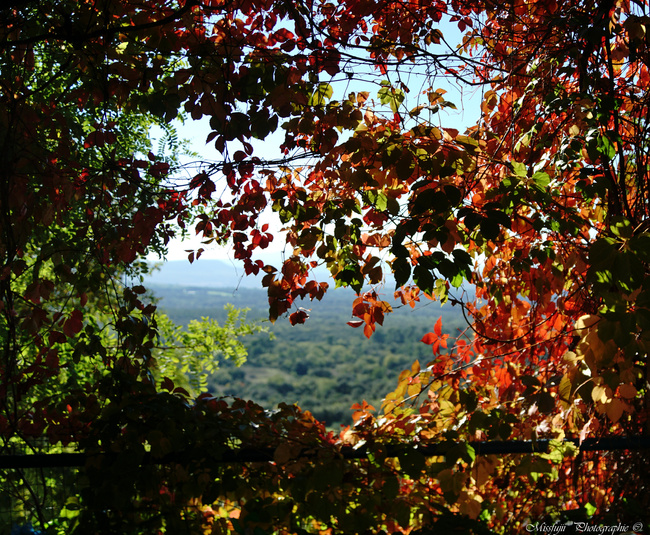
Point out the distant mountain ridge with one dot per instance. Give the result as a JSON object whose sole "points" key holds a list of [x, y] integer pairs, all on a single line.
{"points": [[208, 273], [203, 272]]}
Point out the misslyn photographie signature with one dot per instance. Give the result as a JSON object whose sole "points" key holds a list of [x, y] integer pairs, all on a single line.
{"points": [[585, 527]]}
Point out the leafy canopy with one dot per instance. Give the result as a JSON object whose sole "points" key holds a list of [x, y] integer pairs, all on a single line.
{"points": [[541, 206]]}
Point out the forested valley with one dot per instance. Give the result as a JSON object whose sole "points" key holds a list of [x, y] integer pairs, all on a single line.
{"points": [[324, 365]]}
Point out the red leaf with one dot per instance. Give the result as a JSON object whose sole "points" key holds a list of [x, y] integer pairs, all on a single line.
{"points": [[94, 139], [167, 384], [73, 324], [198, 180], [55, 337], [356, 323], [299, 316]]}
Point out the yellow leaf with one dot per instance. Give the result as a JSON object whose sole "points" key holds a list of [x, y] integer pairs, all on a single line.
{"points": [[362, 96], [599, 393], [570, 357], [565, 389], [586, 321], [490, 100], [413, 389], [404, 376], [401, 390], [447, 408]]}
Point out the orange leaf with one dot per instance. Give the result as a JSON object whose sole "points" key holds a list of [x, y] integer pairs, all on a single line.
{"points": [[438, 327], [368, 330], [429, 338]]}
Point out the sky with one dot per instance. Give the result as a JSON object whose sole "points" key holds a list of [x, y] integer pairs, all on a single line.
{"points": [[196, 133]]}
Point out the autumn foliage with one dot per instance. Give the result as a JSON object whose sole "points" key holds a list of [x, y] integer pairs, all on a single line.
{"points": [[533, 220]]}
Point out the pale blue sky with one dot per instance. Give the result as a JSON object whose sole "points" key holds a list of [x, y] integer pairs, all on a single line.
{"points": [[467, 102]]}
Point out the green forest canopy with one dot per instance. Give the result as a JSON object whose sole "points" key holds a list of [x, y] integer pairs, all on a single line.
{"points": [[322, 366]]}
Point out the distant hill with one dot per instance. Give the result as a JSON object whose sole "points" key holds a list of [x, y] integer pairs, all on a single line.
{"points": [[208, 274], [202, 273], [205, 273]]}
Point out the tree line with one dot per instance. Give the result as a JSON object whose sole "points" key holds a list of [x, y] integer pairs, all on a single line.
{"points": [[323, 366]]}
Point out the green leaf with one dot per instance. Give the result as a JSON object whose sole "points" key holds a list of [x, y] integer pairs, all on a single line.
{"points": [[378, 199], [321, 95], [504, 430], [643, 318], [460, 451], [404, 166], [412, 463], [71, 509], [565, 389], [427, 200], [473, 220], [390, 488], [545, 402], [470, 144], [602, 252], [489, 229], [498, 216], [457, 280], [519, 169], [454, 195], [402, 271], [628, 271], [606, 147], [541, 180], [402, 513], [423, 278], [392, 96], [640, 246], [393, 206], [621, 227], [441, 291], [350, 276]]}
